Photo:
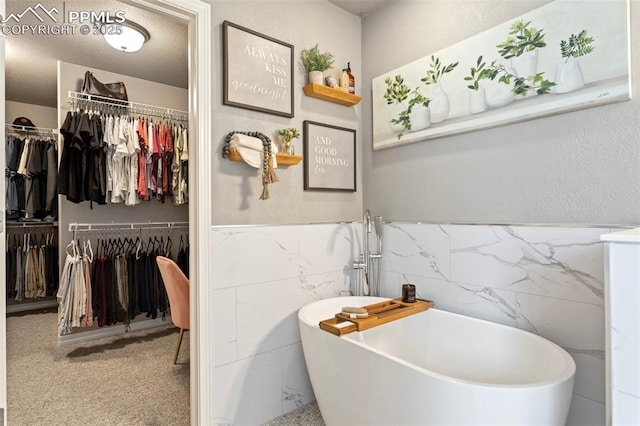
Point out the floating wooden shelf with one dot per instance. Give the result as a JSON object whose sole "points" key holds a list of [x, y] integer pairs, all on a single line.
{"points": [[331, 94], [282, 159], [379, 313], [287, 159]]}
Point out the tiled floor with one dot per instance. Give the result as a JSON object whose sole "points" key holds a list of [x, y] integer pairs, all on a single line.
{"points": [[307, 415]]}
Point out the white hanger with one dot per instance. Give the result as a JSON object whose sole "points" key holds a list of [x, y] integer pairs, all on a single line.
{"points": [[86, 248]]}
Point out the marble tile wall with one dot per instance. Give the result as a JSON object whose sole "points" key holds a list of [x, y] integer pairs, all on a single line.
{"points": [[262, 276], [547, 280]]}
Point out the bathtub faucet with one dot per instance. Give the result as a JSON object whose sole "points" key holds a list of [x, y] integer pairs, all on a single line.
{"points": [[368, 264]]}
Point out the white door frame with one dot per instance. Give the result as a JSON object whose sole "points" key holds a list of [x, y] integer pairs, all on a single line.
{"points": [[3, 238], [197, 14]]}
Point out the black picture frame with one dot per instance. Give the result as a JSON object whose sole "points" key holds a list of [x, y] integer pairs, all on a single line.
{"points": [[329, 157], [257, 72]]}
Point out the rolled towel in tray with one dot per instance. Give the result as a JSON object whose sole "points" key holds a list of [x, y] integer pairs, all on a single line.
{"points": [[251, 149], [355, 312]]}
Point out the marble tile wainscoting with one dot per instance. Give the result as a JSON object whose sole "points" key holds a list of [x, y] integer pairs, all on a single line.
{"points": [[262, 276], [547, 280]]}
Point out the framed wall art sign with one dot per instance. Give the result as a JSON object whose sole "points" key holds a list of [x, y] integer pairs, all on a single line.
{"points": [[561, 57], [329, 157], [258, 71]]}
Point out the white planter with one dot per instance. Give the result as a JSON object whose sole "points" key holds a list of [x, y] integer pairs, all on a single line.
{"points": [[420, 118], [525, 66], [477, 102], [394, 114], [439, 105], [316, 77], [497, 94], [568, 77]]}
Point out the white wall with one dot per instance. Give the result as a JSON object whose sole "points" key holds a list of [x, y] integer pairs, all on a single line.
{"points": [[41, 116], [575, 168], [235, 186], [546, 280]]}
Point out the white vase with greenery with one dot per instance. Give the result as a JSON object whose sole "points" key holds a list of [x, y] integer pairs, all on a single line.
{"points": [[521, 47], [568, 73], [316, 62], [439, 105]]}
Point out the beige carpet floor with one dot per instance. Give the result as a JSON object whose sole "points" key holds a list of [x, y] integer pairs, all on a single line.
{"points": [[123, 380]]}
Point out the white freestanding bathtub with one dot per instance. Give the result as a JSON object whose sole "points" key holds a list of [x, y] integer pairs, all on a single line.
{"points": [[434, 368]]}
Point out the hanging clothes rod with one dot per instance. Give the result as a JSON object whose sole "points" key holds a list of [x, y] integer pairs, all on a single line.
{"points": [[14, 224], [12, 128], [86, 227], [131, 107]]}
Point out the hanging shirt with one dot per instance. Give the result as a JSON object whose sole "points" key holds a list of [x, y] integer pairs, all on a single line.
{"points": [[176, 168], [133, 145], [22, 167], [118, 168], [108, 123], [184, 161], [142, 160], [150, 149], [51, 206]]}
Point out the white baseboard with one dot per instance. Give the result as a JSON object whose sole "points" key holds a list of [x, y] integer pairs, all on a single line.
{"points": [[113, 330], [31, 306]]}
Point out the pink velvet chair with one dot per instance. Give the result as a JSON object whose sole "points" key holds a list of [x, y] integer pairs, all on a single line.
{"points": [[177, 285]]}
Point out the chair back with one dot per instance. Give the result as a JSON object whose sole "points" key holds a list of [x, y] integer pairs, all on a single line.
{"points": [[177, 285]]}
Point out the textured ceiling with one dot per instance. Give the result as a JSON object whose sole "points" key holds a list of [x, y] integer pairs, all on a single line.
{"points": [[30, 60], [358, 7]]}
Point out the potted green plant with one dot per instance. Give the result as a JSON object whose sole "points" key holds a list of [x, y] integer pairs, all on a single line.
{"points": [[316, 62], [397, 92], [395, 95], [535, 83], [521, 47], [497, 88], [287, 135], [409, 110], [439, 107], [568, 73], [521, 39], [436, 71], [577, 46], [477, 73]]}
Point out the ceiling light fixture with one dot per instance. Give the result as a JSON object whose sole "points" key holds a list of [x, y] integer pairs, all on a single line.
{"points": [[131, 36]]}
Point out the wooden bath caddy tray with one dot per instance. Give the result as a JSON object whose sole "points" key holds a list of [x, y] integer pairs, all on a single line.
{"points": [[379, 313]]}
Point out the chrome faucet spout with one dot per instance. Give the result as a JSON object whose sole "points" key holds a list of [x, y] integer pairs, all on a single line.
{"points": [[378, 224], [368, 263], [366, 222]]}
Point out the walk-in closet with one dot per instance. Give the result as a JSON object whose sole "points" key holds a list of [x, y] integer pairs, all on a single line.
{"points": [[96, 189]]}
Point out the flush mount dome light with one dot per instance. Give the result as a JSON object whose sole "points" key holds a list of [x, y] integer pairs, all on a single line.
{"points": [[126, 36]]}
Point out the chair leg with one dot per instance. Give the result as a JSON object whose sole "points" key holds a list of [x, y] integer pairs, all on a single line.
{"points": [[175, 357]]}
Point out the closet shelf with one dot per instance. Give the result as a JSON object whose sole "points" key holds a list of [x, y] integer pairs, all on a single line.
{"points": [[330, 94], [28, 224], [112, 226], [78, 98], [282, 159], [12, 128]]}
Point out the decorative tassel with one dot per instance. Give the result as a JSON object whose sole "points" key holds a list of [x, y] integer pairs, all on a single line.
{"points": [[265, 191], [271, 172]]}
